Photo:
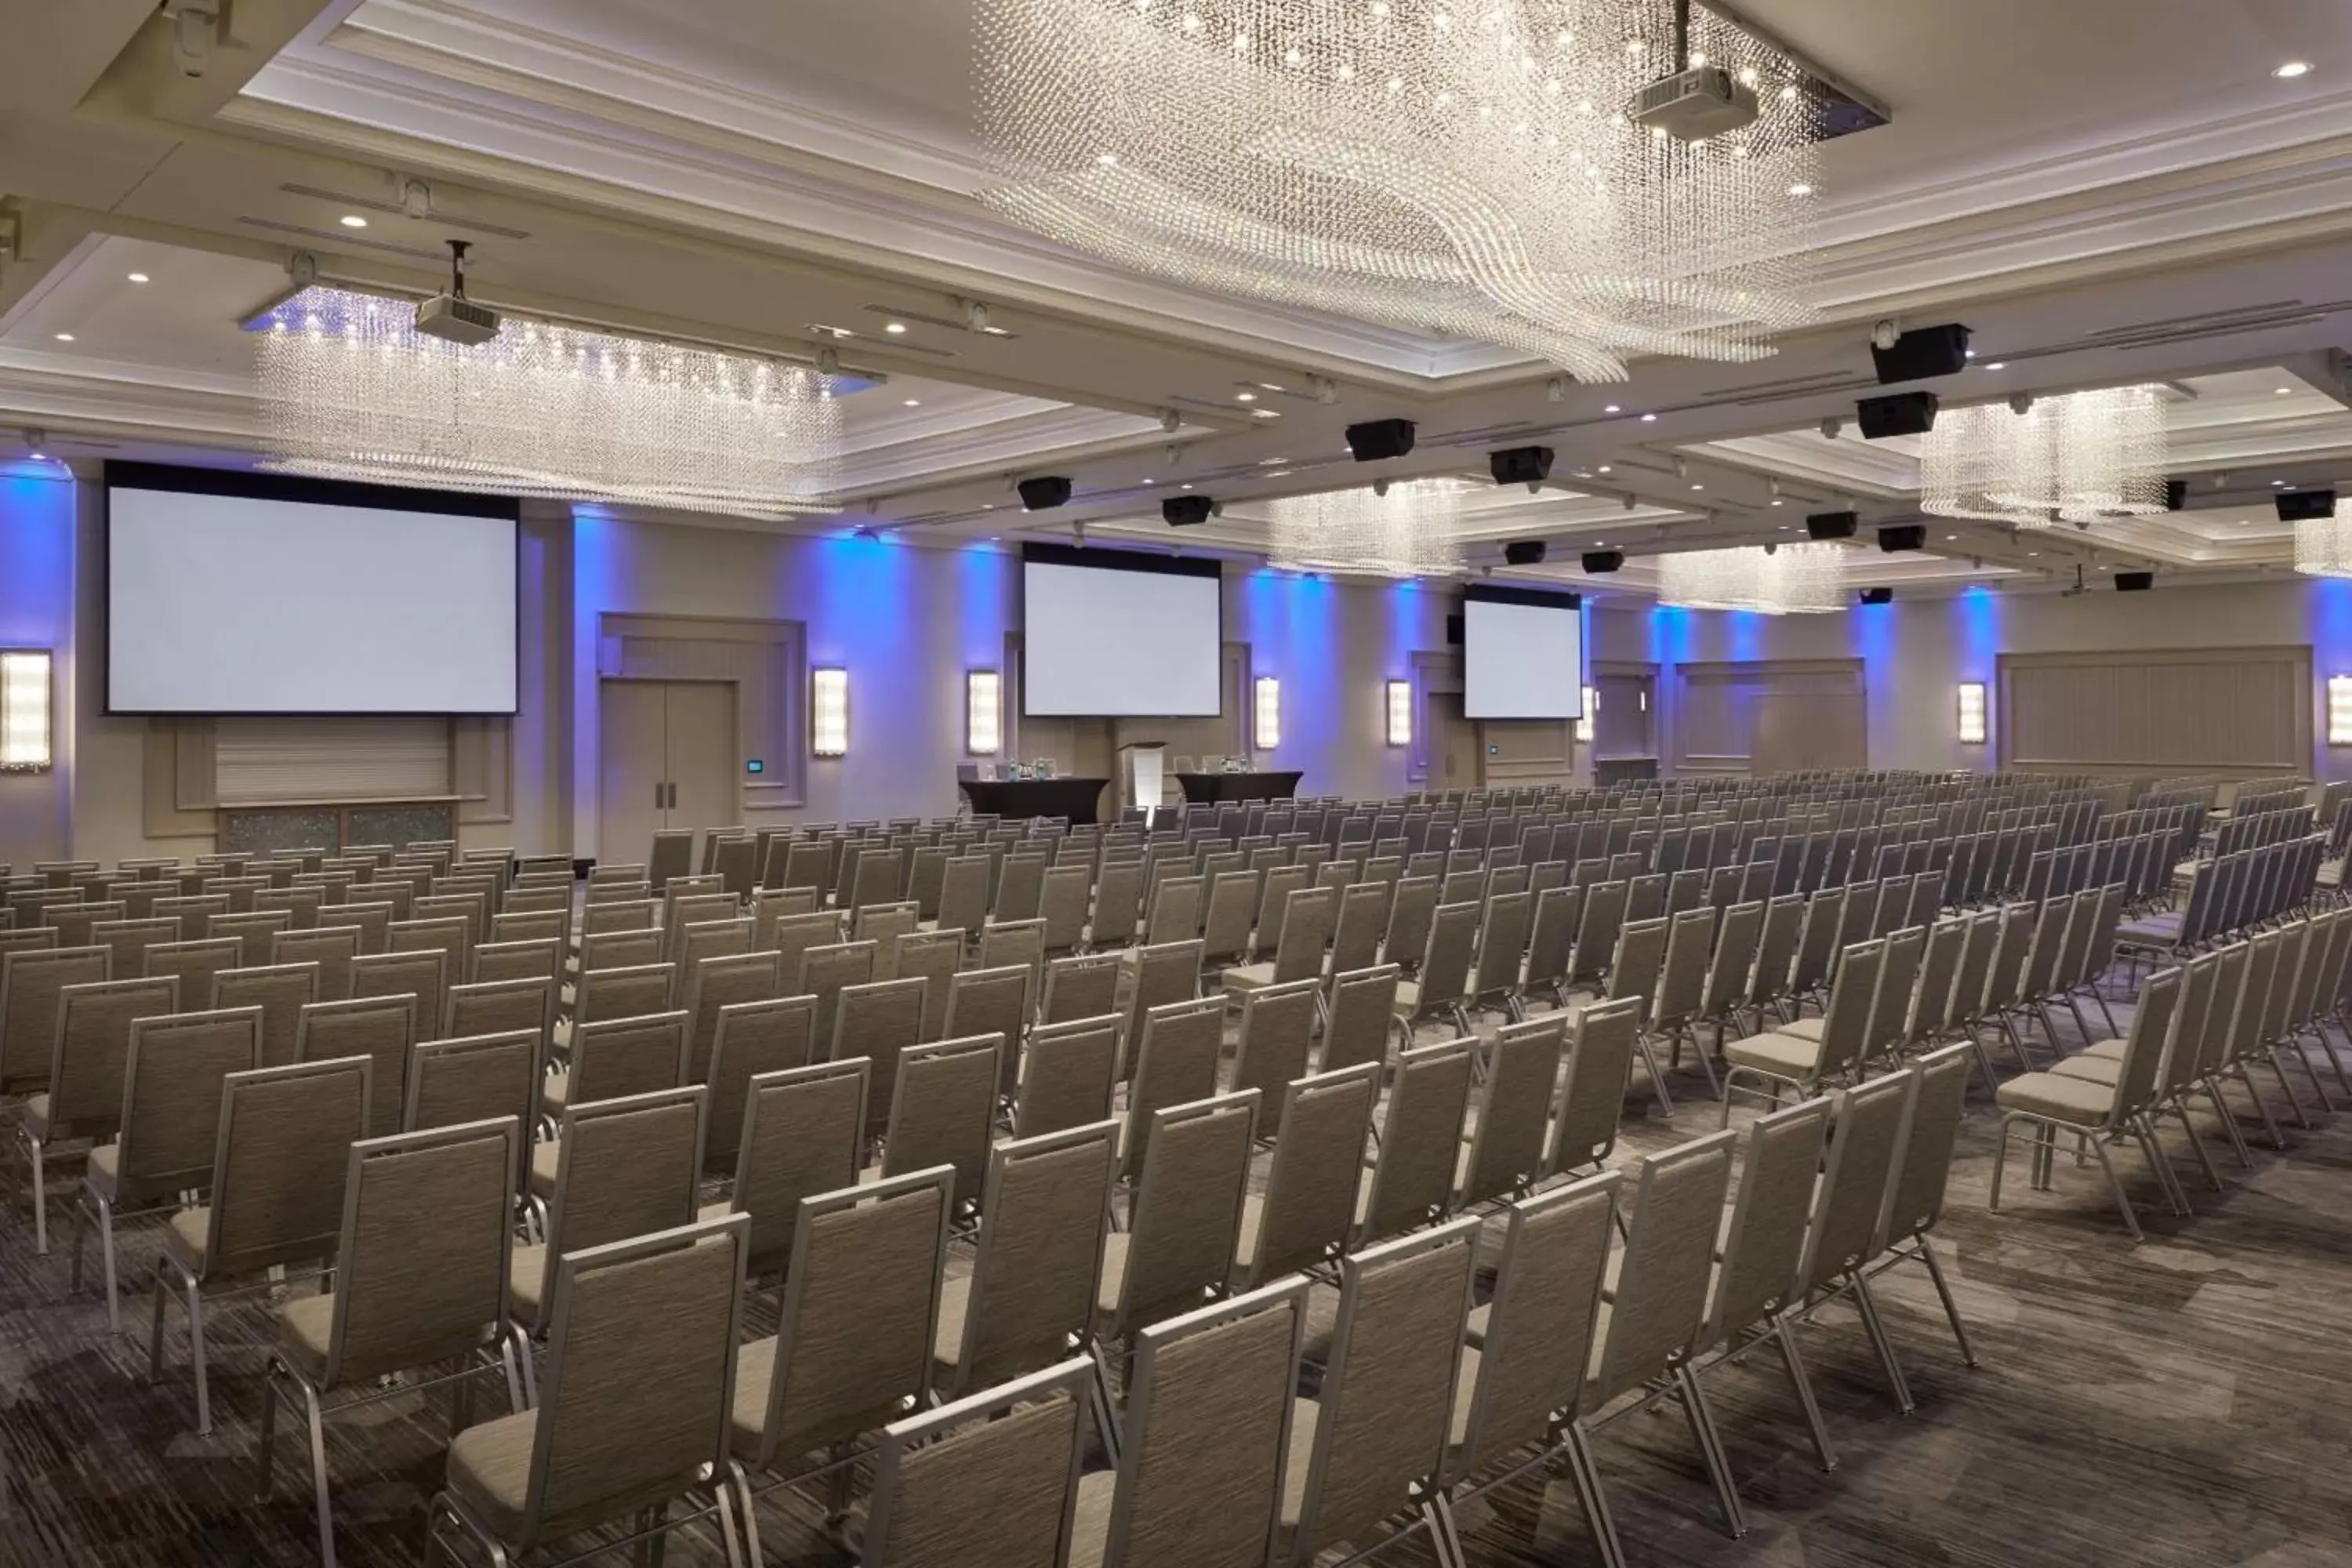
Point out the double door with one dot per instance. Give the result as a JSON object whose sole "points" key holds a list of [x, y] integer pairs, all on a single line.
{"points": [[668, 758]]}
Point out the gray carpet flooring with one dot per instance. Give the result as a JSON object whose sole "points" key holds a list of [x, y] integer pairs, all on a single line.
{"points": [[2186, 1403]]}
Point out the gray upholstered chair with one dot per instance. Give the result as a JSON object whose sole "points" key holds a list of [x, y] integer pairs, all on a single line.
{"points": [[942, 1112], [613, 1058], [1308, 1209], [799, 1132], [750, 1038], [1511, 1133], [876, 1020], [281, 991], [714, 983], [1830, 1048], [1067, 1075], [1420, 1140], [1175, 1064], [84, 1100], [990, 1478], [331, 948], [1359, 1016], [381, 1028], [477, 1078], [1915, 1199], [1277, 1036], [1866, 1132], [30, 981], [1593, 1090], [1081, 986]]}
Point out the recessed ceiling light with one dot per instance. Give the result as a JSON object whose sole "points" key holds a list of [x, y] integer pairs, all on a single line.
{"points": [[1949, 537], [914, 403], [2278, 484], [1800, 189], [893, 326], [1244, 397], [2292, 69], [64, 337], [2033, 552], [1968, 353], [1698, 487], [1777, 502], [353, 220], [138, 278], [1612, 409], [1184, 487], [2283, 392], [1265, 414], [1603, 468], [1151, 481], [1649, 419], [1998, 364], [988, 505]]}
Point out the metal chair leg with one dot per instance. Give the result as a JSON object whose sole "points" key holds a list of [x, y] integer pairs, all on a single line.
{"points": [[1657, 1078], [2123, 1197], [265, 1449], [1868, 1304], [318, 1424], [2228, 1120], [1951, 1308], [1586, 1477], [1710, 1449], [1784, 1337], [194, 1293], [33, 1153], [2180, 1107]]}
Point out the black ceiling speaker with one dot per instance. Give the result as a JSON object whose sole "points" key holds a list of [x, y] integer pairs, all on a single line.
{"points": [[1454, 630], [1044, 492], [1878, 595], [1378, 439], [1186, 511], [1922, 352], [1519, 465], [2304, 506], [2134, 582], [1523, 552], [1898, 536], [1824, 525], [1904, 414], [2176, 494], [1598, 562]]}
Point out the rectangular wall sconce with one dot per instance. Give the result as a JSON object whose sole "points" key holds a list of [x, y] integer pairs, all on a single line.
{"points": [[983, 721], [1266, 720], [829, 711], [1972, 713], [25, 716], [2339, 709], [1400, 696], [1584, 725]]}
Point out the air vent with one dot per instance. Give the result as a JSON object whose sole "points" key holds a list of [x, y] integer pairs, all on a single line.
{"points": [[2219, 323], [379, 204], [343, 239]]}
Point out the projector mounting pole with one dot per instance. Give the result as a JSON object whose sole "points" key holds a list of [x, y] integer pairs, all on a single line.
{"points": [[458, 248], [1682, 36]]}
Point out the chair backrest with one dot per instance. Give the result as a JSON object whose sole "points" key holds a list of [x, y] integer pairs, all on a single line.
{"points": [[1681, 978], [1421, 1137], [1307, 917], [1319, 1160], [1187, 1211], [878, 1020], [2216, 1040], [421, 1263], [1363, 1008], [1175, 1063], [281, 991], [1068, 891], [860, 1312], [1817, 938], [826, 971], [1117, 895], [381, 1028], [1728, 970], [30, 982], [127, 940], [172, 1079], [1915, 1198], [331, 947], [1045, 1211], [2144, 1043], [1411, 905], [1209, 1405], [991, 1479], [1445, 973], [795, 934], [1387, 1400], [1847, 1022], [1661, 1303], [495, 1007], [1167, 971], [1511, 1138], [640, 1380], [1068, 1074], [623, 1167], [1776, 949], [715, 984], [1277, 1033], [1640, 957], [281, 1162], [943, 1111], [611, 1057], [1081, 986], [800, 1132], [624, 990], [1766, 1240], [1592, 1092], [1230, 915], [93, 1043], [1356, 930], [1502, 940], [1891, 996], [475, 1078], [1866, 1145], [1540, 1318]]}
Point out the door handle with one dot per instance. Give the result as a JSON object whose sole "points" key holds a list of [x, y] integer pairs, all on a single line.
{"points": [[673, 794], [657, 796]]}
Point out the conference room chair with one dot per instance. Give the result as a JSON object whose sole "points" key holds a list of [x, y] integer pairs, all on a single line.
{"points": [[1020, 888], [750, 1038], [32, 979], [538, 959], [276, 1194], [1599, 1050], [883, 924], [1679, 997], [875, 1020], [1227, 922], [195, 962], [2183, 1058], [1731, 969], [1817, 949], [942, 1112], [126, 942], [333, 949], [1117, 896], [1081, 985], [381, 1028], [470, 906], [1599, 926], [963, 894], [478, 1078], [1176, 1056], [75, 923], [1439, 990], [706, 924], [84, 1097], [281, 991], [1867, 1127], [638, 1392], [1528, 1352], [610, 1058], [715, 983], [494, 1006], [1360, 1017], [1496, 973], [853, 1342], [1304, 1216], [1413, 906], [1412, 1181], [1367, 1452], [1509, 1135], [672, 857], [801, 1133], [1277, 1038], [1066, 1075], [992, 1478], [1552, 944], [251, 932], [421, 1284], [1030, 1297], [302, 905], [2254, 1027], [1834, 1048]]}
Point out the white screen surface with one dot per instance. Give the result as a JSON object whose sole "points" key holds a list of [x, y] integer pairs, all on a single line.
{"points": [[1522, 661], [1109, 644], [222, 604]]}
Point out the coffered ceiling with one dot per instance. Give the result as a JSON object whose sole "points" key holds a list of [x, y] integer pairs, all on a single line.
{"points": [[2105, 190]]}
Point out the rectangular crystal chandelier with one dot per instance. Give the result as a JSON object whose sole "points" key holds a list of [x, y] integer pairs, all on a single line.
{"points": [[350, 390], [2083, 456], [1770, 580]]}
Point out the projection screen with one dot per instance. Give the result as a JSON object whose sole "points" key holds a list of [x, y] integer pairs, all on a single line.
{"points": [[1522, 654], [1108, 634]]}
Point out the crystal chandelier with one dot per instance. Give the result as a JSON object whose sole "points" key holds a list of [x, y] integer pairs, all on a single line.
{"points": [[2083, 456], [1408, 532], [2323, 546], [1465, 168], [1783, 580], [350, 389]]}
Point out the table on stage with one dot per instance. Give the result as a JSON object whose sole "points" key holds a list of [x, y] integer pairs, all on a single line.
{"points": [[1012, 798], [1201, 787]]}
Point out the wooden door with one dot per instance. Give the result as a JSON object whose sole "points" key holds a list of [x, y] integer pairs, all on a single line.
{"points": [[1798, 729], [702, 754], [1454, 744], [1622, 719], [632, 767]]}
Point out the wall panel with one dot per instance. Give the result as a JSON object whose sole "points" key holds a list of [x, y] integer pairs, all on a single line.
{"points": [[2239, 712]]}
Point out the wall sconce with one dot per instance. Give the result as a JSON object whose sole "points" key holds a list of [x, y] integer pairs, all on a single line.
{"points": [[25, 727], [1972, 713], [1584, 725], [1266, 714], [983, 720], [829, 711], [1400, 698], [2339, 709]]}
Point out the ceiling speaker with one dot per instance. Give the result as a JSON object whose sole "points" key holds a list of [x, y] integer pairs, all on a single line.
{"points": [[1523, 552], [1898, 536], [1904, 414], [1044, 492], [1186, 511], [1454, 630], [1517, 465], [1878, 595], [1378, 439], [2134, 582], [1923, 352], [2304, 506], [1832, 525], [2176, 494], [1600, 562]]}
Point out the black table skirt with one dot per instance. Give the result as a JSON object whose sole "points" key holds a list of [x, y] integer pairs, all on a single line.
{"points": [[1015, 798], [1202, 787]]}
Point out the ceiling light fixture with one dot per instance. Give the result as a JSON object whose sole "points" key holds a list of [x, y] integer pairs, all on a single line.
{"points": [[353, 220], [914, 403], [1649, 419], [1779, 580], [138, 278], [1612, 409], [1406, 529], [64, 337], [894, 326], [1382, 163], [2292, 69], [349, 389], [2083, 456]]}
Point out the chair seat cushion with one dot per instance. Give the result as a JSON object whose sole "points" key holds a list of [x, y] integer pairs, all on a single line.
{"points": [[1090, 1530], [1803, 1028], [2091, 1069], [1789, 1055], [104, 1170], [2106, 1050], [1245, 1239], [1249, 976], [527, 1284], [304, 1327], [185, 1235], [755, 1368], [544, 1160], [37, 1116], [1114, 1275], [2073, 1100], [1407, 998], [555, 1089], [1305, 1416], [947, 1344], [489, 1469]]}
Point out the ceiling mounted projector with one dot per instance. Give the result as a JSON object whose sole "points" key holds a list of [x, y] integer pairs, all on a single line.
{"points": [[1693, 104], [1186, 511], [1378, 439], [450, 316], [1044, 492]]}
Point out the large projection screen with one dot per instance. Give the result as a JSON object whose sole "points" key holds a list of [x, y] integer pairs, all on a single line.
{"points": [[1121, 636], [1522, 654], [240, 594]]}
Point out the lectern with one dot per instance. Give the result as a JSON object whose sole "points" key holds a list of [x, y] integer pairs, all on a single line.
{"points": [[1139, 775]]}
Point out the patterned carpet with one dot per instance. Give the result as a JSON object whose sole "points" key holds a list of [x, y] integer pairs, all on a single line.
{"points": [[2183, 1404]]}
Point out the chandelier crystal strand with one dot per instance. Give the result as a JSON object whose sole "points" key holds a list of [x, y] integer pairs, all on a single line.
{"points": [[350, 389], [1463, 168], [2083, 456], [2323, 546], [1787, 580], [1411, 531]]}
